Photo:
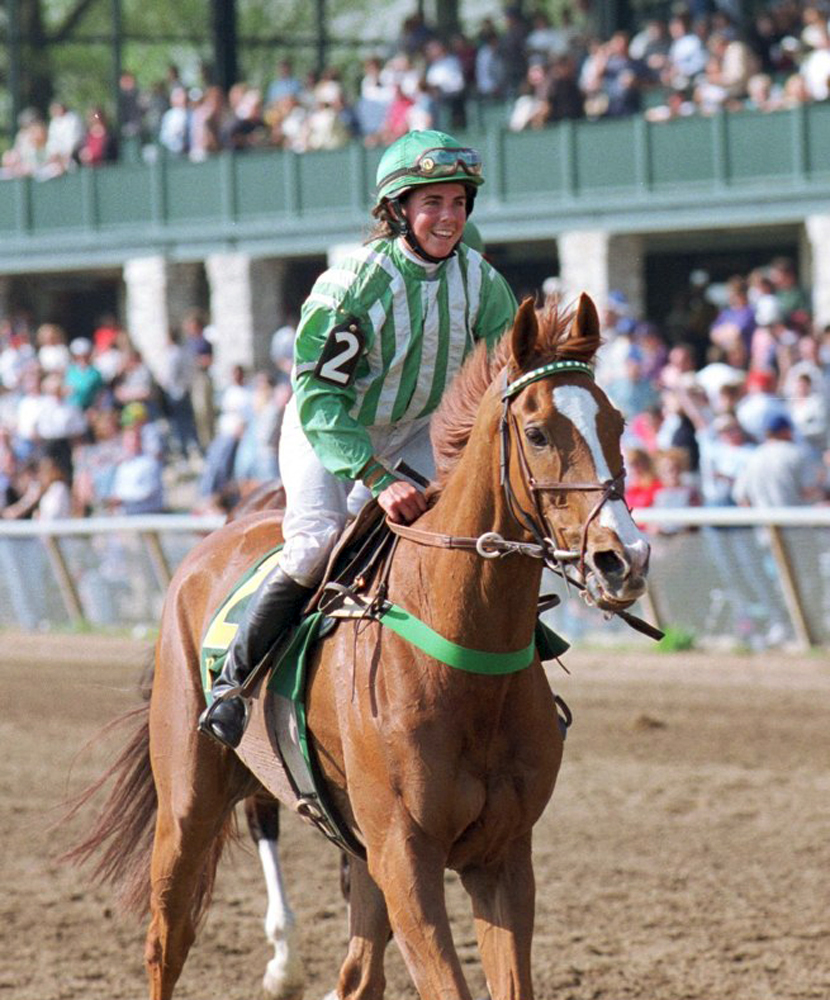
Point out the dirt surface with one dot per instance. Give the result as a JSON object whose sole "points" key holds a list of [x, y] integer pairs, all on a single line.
{"points": [[685, 853]]}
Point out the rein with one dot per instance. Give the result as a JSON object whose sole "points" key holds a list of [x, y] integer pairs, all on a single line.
{"points": [[491, 545]]}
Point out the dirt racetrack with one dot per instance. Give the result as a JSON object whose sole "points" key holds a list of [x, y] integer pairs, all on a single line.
{"points": [[685, 854]]}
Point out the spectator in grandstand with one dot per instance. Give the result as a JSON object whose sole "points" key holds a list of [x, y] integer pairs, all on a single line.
{"points": [[174, 130], [60, 422], [175, 379], [55, 499], [809, 411], [650, 47], [678, 487], [83, 380], [513, 51], [738, 314], [100, 143], [794, 301], [687, 55], [131, 109], [531, 108], [95, 461], [565, 99], [544, 42], [815, 68], [779, 473], [137, 486], [613, 84], [641, 482], [207, 124], [760, 404], [445, 76], [255, 460], [52, 351], [28, 154], [200, 351], [284, 84], [724, 452], [489, 67], [64, 137]]}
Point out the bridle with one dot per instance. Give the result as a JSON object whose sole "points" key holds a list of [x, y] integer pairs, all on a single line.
{"points": [[545, 546]]}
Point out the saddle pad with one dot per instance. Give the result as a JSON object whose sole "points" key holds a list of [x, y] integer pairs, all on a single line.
{"points": [[222, 628]]}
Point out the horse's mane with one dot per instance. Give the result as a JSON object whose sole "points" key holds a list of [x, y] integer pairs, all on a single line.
{"points": [[452, 423]]}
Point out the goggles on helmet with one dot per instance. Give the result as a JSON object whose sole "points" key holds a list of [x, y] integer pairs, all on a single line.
{"points": [[441, 162]]}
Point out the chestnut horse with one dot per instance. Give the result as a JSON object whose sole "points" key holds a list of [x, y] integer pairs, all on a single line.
{"points": [[431, 767]]}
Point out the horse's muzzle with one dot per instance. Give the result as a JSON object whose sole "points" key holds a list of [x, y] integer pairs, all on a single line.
{"points": [[616, 575]]}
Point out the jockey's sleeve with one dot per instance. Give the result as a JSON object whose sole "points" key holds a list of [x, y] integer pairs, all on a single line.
{"points": [[497, 310], [326, 397]]}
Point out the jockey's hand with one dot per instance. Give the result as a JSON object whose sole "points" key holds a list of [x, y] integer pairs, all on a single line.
{"points": [[402, 502]]}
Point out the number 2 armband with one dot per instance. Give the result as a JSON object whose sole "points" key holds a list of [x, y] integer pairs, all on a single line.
{"points": [[341, 354]]}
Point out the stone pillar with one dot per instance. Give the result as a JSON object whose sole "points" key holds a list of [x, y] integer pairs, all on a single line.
{"points": [[148, 320], [158, 293], [597, 262], [818, 278], [247, 304]]}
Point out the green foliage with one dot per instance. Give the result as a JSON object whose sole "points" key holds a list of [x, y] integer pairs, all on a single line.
{"points": [[676, 640]]}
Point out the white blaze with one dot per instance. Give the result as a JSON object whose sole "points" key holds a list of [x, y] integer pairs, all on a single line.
{"points": [[579, 406]]}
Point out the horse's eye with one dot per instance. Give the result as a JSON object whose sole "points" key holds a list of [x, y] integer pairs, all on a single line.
{"points": [[536, 436]]}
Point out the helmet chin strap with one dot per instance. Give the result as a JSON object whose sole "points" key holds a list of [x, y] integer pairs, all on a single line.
{"points": [[400, 226]]}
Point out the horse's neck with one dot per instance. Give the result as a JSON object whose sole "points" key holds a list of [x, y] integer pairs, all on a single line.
{"points": [[492, 601]]}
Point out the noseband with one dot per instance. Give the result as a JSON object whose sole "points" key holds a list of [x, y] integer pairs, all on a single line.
{"points": [[491, 545]]}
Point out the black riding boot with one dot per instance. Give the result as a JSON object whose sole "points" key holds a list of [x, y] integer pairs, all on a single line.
{"points": [[272, 610]]}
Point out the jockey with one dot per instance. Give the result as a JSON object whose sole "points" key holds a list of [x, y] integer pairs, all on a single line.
{"points": [[380, 337]]}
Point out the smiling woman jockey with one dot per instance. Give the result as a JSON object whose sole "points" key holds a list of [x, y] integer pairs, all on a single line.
{"points": [[380, 337]]}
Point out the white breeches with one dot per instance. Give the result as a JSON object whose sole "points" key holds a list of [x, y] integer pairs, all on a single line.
{"points": [[318, 504]]}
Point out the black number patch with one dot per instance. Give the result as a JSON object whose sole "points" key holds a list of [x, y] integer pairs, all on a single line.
{"points": [[341, 354]]}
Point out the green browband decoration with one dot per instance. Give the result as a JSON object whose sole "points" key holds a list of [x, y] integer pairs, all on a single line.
{"points": [[475, 661], [553, 368]]}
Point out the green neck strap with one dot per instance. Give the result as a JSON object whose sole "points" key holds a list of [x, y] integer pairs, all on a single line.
{"points": [[474, 661], [554, 368]]}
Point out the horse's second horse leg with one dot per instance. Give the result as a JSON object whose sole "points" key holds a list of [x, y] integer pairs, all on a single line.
{"points": [[197, 784], [409, 868], [503, 898], [284, 977], [361, 975]]}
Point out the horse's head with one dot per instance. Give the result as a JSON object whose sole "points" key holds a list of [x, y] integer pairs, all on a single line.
{"points": [[564, 465]]}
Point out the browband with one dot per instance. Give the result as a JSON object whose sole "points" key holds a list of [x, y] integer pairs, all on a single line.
{"points": [[549, 369]]}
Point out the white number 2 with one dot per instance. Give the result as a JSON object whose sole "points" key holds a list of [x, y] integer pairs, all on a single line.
{"points": [[338, 369]]}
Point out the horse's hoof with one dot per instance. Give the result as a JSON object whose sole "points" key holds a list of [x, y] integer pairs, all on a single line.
{"points": [[281, 983]]}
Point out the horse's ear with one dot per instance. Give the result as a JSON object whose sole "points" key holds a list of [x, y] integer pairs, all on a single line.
{"points": [[583, 339], [525, 334]]}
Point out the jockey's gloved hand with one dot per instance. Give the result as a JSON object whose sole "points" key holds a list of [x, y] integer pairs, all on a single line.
{"points": [[402, 502]]}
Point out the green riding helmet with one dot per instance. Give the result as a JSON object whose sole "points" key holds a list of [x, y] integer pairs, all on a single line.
{"points": [[426, 157]]}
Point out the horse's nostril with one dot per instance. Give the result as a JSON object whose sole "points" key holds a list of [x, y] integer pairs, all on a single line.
{"points": [[608, 563]]}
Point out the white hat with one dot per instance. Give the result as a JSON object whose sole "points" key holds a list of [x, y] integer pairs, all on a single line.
{"points": [[768, 311], [79, 346]]}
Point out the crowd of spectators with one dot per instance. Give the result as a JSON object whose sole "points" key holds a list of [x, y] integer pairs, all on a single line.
{"points": [[727, 402], [87, 429], [701, 58]]}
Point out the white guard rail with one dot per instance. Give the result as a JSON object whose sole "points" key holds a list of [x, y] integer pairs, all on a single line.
{"points": [[741, 576]]}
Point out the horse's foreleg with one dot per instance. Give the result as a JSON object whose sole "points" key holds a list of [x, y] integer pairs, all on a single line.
{"points": [[284, 976], [503, 898], [361, 975], [409, 868]]}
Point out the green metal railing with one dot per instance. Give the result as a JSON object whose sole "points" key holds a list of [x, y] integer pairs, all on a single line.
{"points": [[622, 175]]}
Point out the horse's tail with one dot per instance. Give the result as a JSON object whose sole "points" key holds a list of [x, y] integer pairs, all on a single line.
{"points": [[123, 828]]}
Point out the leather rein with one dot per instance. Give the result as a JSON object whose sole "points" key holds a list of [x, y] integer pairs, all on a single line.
{"points": [[491, 545]]}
